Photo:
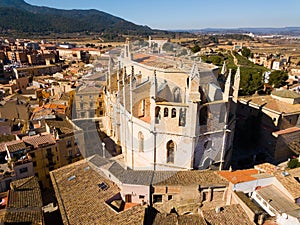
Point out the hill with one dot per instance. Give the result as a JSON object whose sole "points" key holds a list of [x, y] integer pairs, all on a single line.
{"points": [[20, 17]]}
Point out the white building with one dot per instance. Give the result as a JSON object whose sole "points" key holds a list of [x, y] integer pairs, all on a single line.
{"points": [[169, 113]]}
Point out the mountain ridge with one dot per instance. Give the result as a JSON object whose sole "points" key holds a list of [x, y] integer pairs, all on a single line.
{"points": [[20, 16]]}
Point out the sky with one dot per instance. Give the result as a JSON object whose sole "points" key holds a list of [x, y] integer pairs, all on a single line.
{"points": [[192, 14]]}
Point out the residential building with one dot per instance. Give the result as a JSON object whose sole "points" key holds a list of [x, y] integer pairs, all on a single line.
{"points": [[69, 139], [44, 154], [88, 101], [269, 123]]}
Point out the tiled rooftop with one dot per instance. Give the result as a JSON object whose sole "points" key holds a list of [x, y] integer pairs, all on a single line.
{"points": [[265, 168], [268, 102], [285, 94], [82, 202], [290, 183], [203, 178], [239, 176], [24, 202], [173, 218], [229, 215], [12, 146], [144, 177], [63, 126], [38, 140]]}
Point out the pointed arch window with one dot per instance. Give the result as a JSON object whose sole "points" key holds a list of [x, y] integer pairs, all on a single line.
{"points": [[157, 114], [182, 117], [166, 112], [173, 113], [141, 141], [171, 151], [177, 95]]}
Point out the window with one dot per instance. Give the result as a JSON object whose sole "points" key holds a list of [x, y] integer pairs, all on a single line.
{"points": [[173, 113], [92, 114], [128, 198], [23, 170], [182, 117], [170, 197], [157, 114], [142, 108], [203, 116], [82, 114], [91, 104], [80, 97], [141, 142], [70, 153], [141, 196], [157, 198], [81, 105], [34, 163], [166, 112], [170, 151], [177, 95]]}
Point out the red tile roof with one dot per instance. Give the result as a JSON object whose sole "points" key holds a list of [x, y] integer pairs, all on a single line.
{"points": [[239, 176]]}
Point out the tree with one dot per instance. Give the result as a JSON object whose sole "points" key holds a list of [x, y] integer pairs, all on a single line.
{"points": [[278, 78], [195, 49], [246, 52]]}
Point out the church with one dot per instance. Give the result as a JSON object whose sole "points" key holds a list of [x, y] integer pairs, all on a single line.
{"points": [[168, 111]]}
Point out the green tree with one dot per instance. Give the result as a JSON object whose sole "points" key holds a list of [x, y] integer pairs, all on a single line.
{"points": [[246, 52], [293, 163], [278, 78], [196, 48]]}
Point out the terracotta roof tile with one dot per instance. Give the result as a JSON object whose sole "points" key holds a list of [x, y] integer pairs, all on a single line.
{"points": [[290, 183], [238, 176], [229, 215], [16, 145], [81, 201], [268, 102], [265, 168], [24, 202], [38, 140]]}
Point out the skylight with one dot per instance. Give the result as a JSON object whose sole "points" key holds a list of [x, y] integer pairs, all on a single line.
{"points": [[103, 186]]}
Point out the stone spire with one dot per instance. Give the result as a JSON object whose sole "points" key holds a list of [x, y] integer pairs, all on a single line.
{"points": [[127, 49], [236, 84], [224, 69], [153, 90], [227, 87]]}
